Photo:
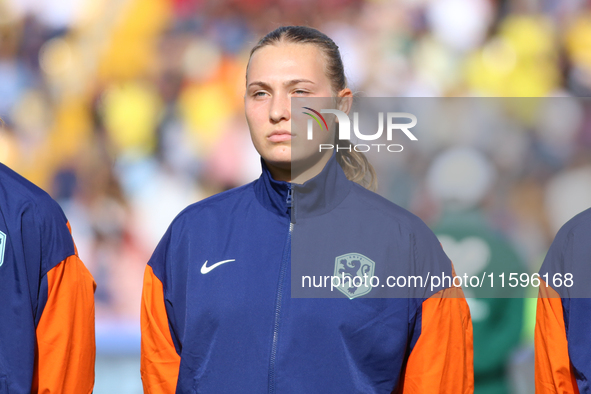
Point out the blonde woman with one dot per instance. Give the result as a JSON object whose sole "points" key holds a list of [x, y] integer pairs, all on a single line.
{"points": [[217, 316]]}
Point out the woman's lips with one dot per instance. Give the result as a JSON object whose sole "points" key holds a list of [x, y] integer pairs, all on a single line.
{"points": [[279, 136]]}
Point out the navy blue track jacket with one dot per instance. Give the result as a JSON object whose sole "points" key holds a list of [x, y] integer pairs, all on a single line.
{"points": [[217, 311]]}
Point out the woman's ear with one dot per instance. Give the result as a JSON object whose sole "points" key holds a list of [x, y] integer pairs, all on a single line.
{"points": [[345, 100]]}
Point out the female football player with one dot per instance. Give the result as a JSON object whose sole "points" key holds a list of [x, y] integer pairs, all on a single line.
{"points": [[217, 311]]}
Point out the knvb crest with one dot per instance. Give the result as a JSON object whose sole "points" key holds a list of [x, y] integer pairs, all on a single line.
{"points": [[2, 247], [355, 271]]}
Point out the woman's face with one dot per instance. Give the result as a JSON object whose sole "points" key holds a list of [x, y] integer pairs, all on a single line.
{"points": [[276, 74]]}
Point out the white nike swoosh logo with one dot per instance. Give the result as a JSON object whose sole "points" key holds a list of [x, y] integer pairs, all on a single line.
{"points": [[205, 269]]}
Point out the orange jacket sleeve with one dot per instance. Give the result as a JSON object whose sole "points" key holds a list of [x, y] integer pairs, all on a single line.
{"points": [[554, 373], [160, 361], [65, 356], [442, 358]]}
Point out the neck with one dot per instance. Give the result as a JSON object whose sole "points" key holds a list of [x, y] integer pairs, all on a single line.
{"points": [[299, 173]]}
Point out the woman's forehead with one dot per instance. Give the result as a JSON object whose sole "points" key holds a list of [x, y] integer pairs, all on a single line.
{"points": [[286, 61]]}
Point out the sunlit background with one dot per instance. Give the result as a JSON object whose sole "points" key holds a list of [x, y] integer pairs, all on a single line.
{"points": [[126, 111]]}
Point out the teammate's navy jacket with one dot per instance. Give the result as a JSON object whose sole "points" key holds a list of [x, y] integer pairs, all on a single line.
{"points": [[563, 316], [46, 296], [218, 316]]}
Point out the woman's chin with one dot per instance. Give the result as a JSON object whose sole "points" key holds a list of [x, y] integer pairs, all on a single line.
{"points": [[279, 156], [279, 161]]}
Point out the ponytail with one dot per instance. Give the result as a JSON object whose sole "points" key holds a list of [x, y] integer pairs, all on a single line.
{"points": [[355, 165]]}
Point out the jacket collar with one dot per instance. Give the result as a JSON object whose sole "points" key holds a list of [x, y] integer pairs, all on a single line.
{"points": [[314, 197]]}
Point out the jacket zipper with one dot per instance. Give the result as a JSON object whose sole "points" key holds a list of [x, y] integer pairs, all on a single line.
{"points": [[282, 272]]}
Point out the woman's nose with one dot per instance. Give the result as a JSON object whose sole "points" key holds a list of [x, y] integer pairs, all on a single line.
{"points": [[280, 108]]}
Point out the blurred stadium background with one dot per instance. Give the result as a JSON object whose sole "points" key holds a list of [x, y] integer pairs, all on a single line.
{"points": [[126, 111]]}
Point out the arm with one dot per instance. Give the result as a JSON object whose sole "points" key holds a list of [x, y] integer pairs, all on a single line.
{"points": [[160, 361], [442, 358], [554, 372], [65, 357]]}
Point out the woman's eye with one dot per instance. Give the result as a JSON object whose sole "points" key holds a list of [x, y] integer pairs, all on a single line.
{"points": [[300, 91], [259, 94]]}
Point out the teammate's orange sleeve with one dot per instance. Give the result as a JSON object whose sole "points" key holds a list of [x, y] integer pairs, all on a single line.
{"points": [[442, 359], [159, 360], [65, 357], [554, 372]]}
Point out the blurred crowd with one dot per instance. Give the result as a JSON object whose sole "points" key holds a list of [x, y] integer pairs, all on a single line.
{"points": [[127, 111]]}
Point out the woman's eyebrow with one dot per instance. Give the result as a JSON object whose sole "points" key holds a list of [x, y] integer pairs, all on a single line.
{"points": [[259, 83], [296, 81]]}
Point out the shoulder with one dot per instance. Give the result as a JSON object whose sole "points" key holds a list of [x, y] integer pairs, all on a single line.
{"points": [[391, 212], [216, 205], [21, 195], [579, 224], [574, 232], [32, 216], [569, 253]]}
